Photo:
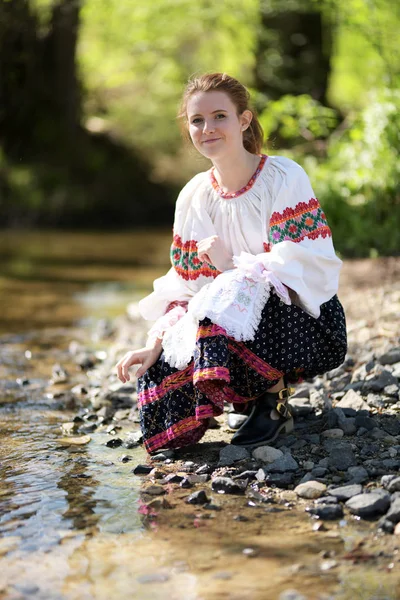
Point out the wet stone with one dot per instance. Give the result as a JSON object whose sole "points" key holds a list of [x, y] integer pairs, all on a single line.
{"points": [[345, 492], [186, 483], [133, 439], [173, 478], [368, 505], [199, 497], [204, 470], [142, 470], [114, 443], [226, 485], [327, 512], [391, 357], [279, 480], [163, 456], [385, 525], [154, 490]]}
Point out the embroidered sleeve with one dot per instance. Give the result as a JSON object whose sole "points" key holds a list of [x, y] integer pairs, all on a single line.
{"points": [[298, 250], [185, 261]]}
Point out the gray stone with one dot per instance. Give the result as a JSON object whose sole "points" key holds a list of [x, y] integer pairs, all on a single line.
{"points": [[357, 474], [282, 465], [393, 485], [391, 357], [345, 492], [366, 422], [236, 420], [353, 400], [368, 505], [231, 454], [267, 454], [279, 480], [319, 472], [333, 433], [385, 525], [291, 595], [393, 514], [199, 497], [376, 401], [226, 485], [327, 512], [142, 470], [301, 391], [342, 457], [301, 406], [310, 489], [377, 381], [133, 439]]}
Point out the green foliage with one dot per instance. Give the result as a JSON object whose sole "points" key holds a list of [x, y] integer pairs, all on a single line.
{"points": [[135, 58], [359, 181], [298, 118]]}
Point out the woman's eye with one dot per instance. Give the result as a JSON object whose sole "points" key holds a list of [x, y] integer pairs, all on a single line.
{"points": [[220, 116], [196, 121]]}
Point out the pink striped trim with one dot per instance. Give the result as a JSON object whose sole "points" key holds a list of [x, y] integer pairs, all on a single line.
{"points": [[254, 361], [158, 441], [220, 373], [204, 412], [170, 383]]}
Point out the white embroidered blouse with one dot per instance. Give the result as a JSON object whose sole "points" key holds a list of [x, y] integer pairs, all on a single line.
{"points": [[279, 238]]}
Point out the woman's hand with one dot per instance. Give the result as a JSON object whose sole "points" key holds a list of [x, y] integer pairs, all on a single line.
{"points": [[146, 357], [214, 252]]}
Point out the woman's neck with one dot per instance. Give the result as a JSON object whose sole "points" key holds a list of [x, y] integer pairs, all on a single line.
{"points": [[234, 171]]}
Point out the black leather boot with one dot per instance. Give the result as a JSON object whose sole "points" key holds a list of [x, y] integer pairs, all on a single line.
{"points": [[260, 427]]}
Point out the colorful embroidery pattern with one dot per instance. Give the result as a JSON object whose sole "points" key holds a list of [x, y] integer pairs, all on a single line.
{"points": [[243, 190], [185, 261], [305, 220]]}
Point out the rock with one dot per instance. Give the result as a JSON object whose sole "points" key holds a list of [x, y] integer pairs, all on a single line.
{"points": [[385, 525], [393, 485], [114, 443], [154, 490], [366, 422], [186, 483], [377, 381], [133, 439], [310, 489], [163, 456], [74, 441], [199, 497], [357, 474], [391, 357], [142, 470], [353, 400], [342, 457], [282, 465], [279, 480], [69, 428], [393, 514], [236, 420], [59, 374], [368, 505], [173, 478], [319, 472], [345, 492], [226, 485], [301, 406], [267, 454], [333, 433], [291, 595], [125, 458], [308, 465], [204, 470], [231, 454], [327, 512], [194, 478]]}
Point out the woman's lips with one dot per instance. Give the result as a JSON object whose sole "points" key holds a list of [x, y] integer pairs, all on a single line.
{"points": [[210, 141]]}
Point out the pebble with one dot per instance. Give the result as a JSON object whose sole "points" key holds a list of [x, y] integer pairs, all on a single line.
{"points": [[199, 497], [393, 485], [142, 470], [368, 505], [326, 512], [282, 464], [226, 485], [333, 433], [342, 457], [267, 454], [310, 489], [231, 454], [353, 400], [393, 514], [346, 492]]}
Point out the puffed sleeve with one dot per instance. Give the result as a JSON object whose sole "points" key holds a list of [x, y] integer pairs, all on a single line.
{"points": [[299, 249], [174, 286]]}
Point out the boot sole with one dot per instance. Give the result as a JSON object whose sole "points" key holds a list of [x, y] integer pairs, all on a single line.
{"points": [[287, 427]]}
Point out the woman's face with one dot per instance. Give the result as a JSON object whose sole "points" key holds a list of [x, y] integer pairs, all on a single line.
{"points": [[214, 126]]}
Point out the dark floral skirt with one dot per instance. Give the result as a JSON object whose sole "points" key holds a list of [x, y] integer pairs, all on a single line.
{"points": [[175, 405]]}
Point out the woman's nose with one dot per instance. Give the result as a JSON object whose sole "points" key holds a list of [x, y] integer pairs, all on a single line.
{"points": [[208, 127]]}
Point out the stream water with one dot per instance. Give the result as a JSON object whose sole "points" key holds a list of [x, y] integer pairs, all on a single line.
{"points": [[71, 525]]}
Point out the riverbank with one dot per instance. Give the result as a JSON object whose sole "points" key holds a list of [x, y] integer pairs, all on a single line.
{"points": [[317, 514]]}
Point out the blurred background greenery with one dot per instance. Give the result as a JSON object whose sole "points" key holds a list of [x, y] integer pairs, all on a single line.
{"points": [[90, 89]]}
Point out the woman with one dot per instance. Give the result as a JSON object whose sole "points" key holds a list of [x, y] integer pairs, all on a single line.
{"points": [[250, 300]]}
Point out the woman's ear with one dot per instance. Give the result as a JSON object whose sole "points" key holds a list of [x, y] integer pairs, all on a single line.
{"points": [[245, 119]]}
